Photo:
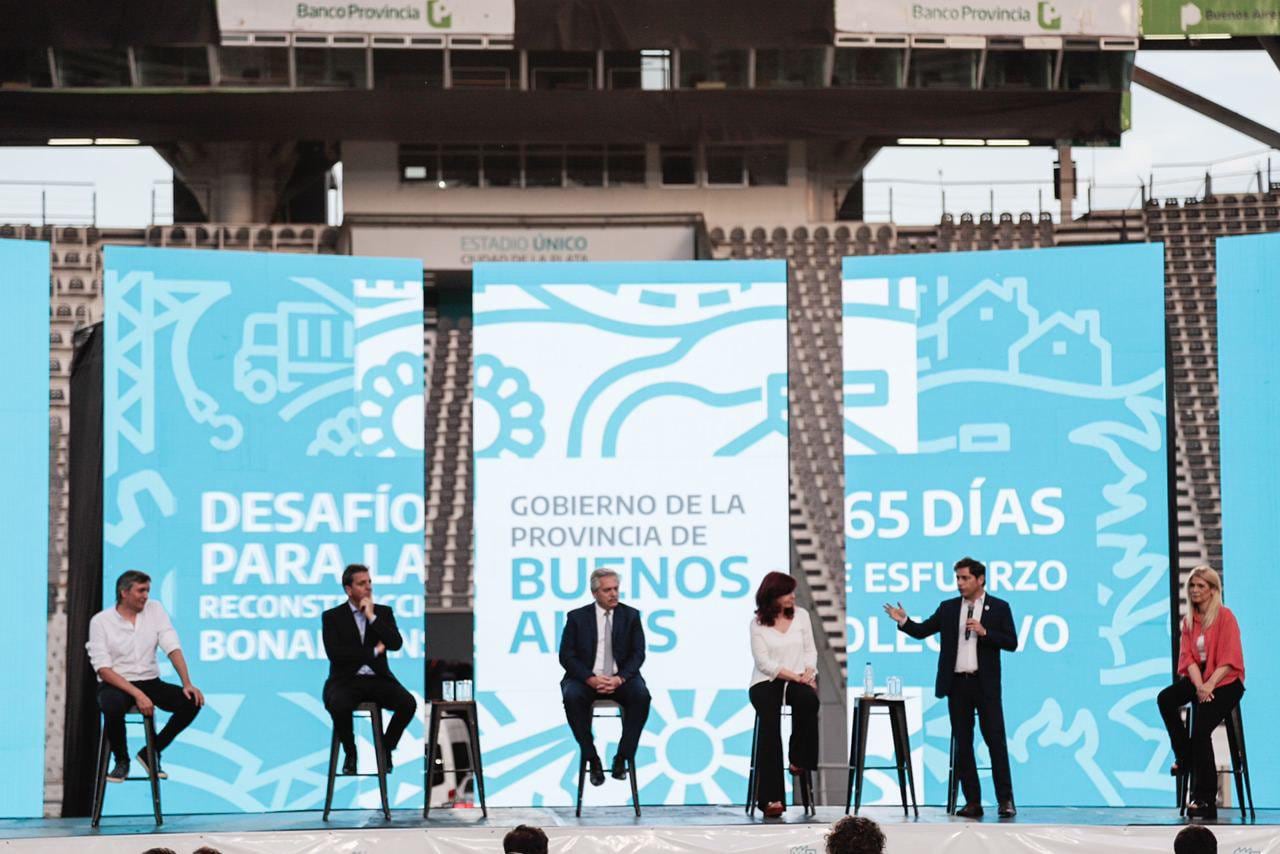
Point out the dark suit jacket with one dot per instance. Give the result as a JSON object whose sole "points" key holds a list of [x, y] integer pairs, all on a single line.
{"points": [[578, 643], [997, 619], [342, 641]]}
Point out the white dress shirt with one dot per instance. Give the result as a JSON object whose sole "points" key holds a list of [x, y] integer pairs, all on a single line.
{"points": [[602, 637], [967, 650], [130, 648], [774, 651], [362, 623]]}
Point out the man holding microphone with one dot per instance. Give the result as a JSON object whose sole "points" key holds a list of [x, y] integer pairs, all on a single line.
{"points": [[975, 627]]}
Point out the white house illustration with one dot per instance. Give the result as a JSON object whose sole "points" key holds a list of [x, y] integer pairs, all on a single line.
{"points": [[976, 330], [1065, 347]]}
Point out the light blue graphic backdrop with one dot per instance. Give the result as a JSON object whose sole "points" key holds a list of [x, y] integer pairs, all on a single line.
{"points": [[263, 427], [632, 416], [1249, 409], [1030, 434], [24, 519]]}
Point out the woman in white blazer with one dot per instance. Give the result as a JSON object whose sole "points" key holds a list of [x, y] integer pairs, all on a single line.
{"points": [[785, 672]]}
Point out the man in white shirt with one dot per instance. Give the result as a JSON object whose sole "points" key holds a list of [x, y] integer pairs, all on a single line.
{"points": [[122, 649], [974, 629]]}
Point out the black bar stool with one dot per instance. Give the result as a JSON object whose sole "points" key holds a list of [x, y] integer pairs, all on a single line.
{"points": [[630, 763], [803, 782], [374, 713], [104, 756], [465, 711], [1234, 725], [896, 709], [953, 782]]}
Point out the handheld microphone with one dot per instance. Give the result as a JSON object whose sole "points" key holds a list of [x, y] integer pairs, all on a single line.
{"points": [[970, 617]]}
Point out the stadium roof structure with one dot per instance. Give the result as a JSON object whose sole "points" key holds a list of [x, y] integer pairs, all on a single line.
{"points": [[223, 111]]}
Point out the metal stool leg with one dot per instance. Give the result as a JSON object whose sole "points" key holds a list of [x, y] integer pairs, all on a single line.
{"points": [[864, 722], [952, 782], [433, 735], [100, 779], [752, 781], [902, 756], [853, 761], [473, 726], [896, 728], [582, 777], [1244, 761], [149, 729], [333, 772], [380, 756], [635, 791]]}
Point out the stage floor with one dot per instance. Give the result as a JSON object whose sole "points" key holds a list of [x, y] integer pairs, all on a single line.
{"points": [[616, 829]]}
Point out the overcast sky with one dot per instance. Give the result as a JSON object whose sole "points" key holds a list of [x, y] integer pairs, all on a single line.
{"points": [[1163, 133]]}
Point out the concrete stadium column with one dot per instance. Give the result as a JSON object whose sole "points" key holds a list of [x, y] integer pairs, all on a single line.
{"points": [[1066, 180], [251, 181], [235, 184]]}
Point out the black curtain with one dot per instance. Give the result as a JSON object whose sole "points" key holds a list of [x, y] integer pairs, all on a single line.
{"points": [[84, 570], [92, 24]]}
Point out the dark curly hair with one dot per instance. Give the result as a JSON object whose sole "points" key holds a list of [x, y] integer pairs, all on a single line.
{"points": [[1195, 839], [855, 834], [525, 839], [773, 586]]}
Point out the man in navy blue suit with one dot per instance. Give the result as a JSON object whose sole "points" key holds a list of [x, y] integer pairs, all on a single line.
{"points": [[975, 627], [601, 651]]}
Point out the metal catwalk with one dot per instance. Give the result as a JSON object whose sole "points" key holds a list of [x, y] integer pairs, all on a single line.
{"points": [[614, 830]]}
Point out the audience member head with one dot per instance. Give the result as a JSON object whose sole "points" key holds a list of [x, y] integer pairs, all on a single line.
{"points": [[855, 834], [1195, 839], [774, 588], [205, 849], [525, 839], [159, 851]]}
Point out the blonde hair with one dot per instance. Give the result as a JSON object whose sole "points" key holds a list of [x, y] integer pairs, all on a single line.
{"points": [[1210, 613]]}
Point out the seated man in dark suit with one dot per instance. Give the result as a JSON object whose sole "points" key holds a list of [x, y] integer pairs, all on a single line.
{"points": [[357, 636], [601, 651]]}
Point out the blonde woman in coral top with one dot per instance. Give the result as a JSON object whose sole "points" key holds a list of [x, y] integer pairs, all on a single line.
{"points": [[1211, 675]]}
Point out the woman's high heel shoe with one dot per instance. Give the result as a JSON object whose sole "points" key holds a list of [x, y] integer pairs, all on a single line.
{"points": [[1201, 810], [773, 809]]}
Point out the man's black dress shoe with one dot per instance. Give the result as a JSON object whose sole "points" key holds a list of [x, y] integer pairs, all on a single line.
{"points": [[1202, 810], [596, 770], [619, 770], [970, 811], [349, 765], [1007, 809]]}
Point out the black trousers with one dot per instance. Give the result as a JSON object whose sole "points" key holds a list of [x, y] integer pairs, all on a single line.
{"points": [[632, 696], [1196, 751], [768, 698], [963, 700], [342, 696], [115, 703]]}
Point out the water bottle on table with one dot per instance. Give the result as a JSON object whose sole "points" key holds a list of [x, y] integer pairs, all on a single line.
{"points": [[868, 681]]}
